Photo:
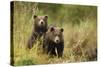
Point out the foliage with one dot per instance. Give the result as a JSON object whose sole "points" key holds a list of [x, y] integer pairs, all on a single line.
{"points": [[80, 34]]}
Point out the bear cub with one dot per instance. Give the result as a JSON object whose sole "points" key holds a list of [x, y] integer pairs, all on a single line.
{"points": [[53, 41], [39, 28]]}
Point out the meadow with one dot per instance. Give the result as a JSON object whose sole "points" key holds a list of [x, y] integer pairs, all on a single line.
{"points": [[80, 32]]}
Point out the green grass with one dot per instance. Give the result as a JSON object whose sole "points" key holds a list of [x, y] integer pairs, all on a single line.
{"points": [[80, 40]]}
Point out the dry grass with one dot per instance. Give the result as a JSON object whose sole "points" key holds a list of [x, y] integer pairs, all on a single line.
{"points": [[79, 41]]}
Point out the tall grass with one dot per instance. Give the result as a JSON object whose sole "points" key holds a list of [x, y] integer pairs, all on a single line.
{"points": [[80, 40]]}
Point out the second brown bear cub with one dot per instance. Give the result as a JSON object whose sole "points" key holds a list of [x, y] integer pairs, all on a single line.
{"points": [[39, 28], [53, 41]]}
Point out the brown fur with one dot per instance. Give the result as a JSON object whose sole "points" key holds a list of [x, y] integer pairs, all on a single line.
{"points": [[49, 45], [40, 27]]}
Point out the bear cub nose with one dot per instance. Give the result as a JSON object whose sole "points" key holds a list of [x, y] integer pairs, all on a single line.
{"points": [[41, 22], [57, 41]]}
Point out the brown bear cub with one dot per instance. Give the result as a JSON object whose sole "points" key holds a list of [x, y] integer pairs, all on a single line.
{"points": [[39, 28], [53, 41]]}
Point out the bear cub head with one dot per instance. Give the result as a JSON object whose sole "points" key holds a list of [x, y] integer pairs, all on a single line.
{"points": [[40, 24], [56, 35]]}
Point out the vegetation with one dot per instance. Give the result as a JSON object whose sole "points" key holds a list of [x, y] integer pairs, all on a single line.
{"points": [[80, 33]]}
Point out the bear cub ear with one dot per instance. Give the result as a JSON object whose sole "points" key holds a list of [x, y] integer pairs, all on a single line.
{"points": [[61, 29], [35, 16], [46, 17], [52, 29]]}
